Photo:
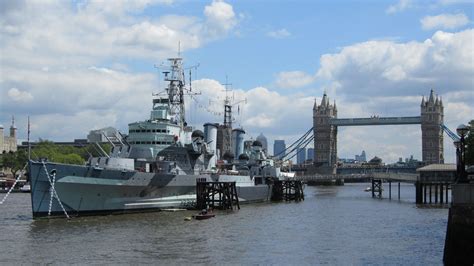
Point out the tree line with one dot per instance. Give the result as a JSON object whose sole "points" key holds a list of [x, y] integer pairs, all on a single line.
{"points": [[47, 150]]}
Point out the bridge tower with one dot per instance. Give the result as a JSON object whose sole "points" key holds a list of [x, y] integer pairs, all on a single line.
{"points": [[432, 117], [325, 136]]}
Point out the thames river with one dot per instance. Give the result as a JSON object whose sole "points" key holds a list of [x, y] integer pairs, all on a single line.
{"points": [[334, 225]]}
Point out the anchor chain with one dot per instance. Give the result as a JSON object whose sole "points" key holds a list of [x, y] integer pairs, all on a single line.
{"points": [[53, 192], [14, 184]]}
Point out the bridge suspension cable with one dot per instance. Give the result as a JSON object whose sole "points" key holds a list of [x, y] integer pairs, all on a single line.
{"points": [[303, 145], [451, 134], [301, 139]]}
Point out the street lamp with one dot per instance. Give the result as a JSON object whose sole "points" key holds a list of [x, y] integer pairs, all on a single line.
{"points": [[457, 145], [462, 131]]}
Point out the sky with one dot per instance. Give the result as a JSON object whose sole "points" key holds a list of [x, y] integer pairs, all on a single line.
{"points": [[74, 66]]}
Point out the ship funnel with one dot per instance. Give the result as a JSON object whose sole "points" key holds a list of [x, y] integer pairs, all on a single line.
{"points": [[238, 142], [210, 136]]}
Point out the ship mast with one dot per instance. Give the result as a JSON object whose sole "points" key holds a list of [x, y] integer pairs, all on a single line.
{"points": [[227, 106], [175, 90], [229, 102]]}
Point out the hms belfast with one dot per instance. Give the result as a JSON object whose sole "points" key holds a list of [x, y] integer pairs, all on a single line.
{"points": [[156, 166]]}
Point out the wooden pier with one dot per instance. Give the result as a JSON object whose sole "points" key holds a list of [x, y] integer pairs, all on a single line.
{"points": [[216, 195], [287, 190]]}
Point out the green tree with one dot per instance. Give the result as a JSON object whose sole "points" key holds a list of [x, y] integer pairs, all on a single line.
{"points": [[58, 153], [470, 145], [15, 161], [66, 154]]}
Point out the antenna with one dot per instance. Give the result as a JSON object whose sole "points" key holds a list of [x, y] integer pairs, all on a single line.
{"points": [[190, 86], [179, 48], [227, 105], [29, 143]]}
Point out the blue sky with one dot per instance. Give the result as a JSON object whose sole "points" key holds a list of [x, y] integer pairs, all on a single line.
{"points": [[82, 65]]}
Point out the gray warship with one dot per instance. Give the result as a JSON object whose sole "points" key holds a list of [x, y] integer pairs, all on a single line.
{"points": [[155, 167]]}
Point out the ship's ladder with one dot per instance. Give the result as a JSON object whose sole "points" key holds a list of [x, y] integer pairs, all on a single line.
{"points": [[14, 184], [52, 191]]}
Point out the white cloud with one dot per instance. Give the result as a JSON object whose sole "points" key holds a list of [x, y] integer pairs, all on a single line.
{"points": [[19, 96], [120, 7], [261, 113], [279, 34], [389, 68], [220, 17], [293, 79], [398, 7], [444, 21]]}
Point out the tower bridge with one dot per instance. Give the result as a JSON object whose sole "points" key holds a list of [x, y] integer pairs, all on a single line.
{"points": [[326, 123]]}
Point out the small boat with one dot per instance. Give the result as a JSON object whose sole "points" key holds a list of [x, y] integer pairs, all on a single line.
{"points": [[368, 189], [204, 215], [26, 188]]}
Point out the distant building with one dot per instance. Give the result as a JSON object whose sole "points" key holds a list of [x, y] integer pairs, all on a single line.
{"points": [[310, 155], [409, 162], [263, 140], [8, 143], [78, 143], [361, 158], [278, 147], [101, 135], [300, 155]]}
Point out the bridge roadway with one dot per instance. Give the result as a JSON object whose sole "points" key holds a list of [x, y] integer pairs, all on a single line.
{"points": [[375, 121], [394, 177]]}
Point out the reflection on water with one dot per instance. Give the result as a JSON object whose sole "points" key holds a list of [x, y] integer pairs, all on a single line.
{"points": [[334, 225]]}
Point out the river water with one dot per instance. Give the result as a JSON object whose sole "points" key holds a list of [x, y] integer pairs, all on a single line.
{"points": [[334, 225]]}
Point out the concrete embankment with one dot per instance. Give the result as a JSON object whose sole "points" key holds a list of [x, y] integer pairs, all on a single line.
{"points": [[459, 243]]}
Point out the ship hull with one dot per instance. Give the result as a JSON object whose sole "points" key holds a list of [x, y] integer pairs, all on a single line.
{"points": [[86, 190]]}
